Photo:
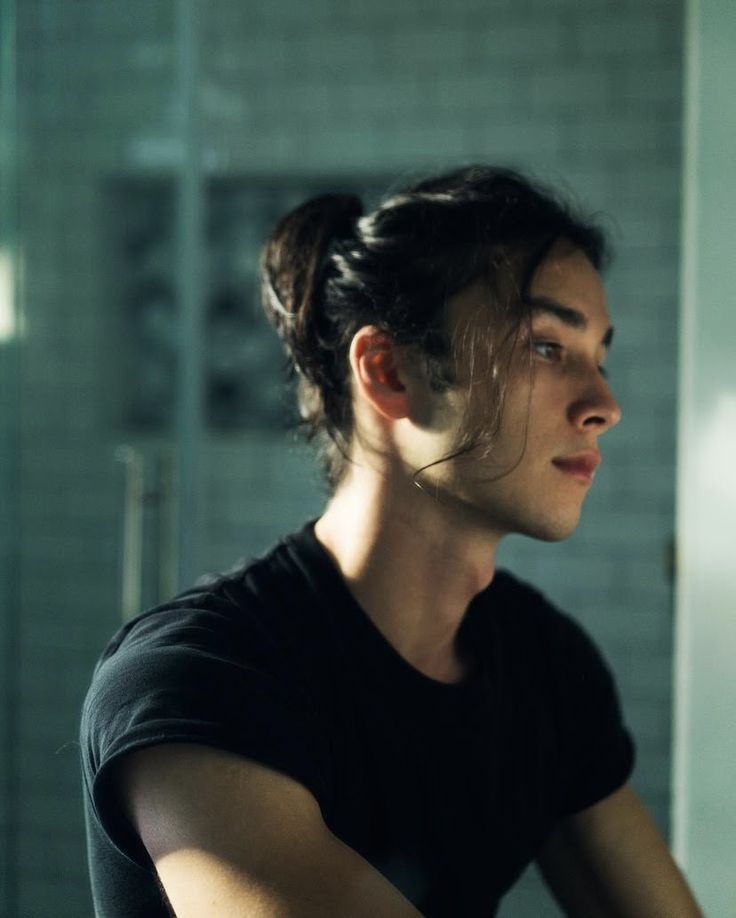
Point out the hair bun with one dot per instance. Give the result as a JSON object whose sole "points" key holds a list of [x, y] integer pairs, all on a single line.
{"points": [[292, 269], [293, 254]]}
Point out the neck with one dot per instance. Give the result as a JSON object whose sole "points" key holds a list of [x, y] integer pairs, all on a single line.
{"points": [[411, 562]]}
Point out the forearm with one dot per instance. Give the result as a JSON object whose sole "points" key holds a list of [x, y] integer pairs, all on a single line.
{"points": [[611, 862]]}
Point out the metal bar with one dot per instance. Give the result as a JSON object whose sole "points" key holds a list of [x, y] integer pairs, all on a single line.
{"points": [[132, 554], [189, 413], [167, 524]]}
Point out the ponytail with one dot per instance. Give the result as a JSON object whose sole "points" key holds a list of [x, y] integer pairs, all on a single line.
{"points": [[294, 264]]}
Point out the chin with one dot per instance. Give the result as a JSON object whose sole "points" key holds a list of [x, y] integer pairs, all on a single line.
{"points": [[550, 530]]}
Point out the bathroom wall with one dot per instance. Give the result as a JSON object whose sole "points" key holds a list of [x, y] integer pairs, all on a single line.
{"points": [[586, 94]]}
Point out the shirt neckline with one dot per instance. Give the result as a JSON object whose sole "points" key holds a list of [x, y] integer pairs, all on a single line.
{"points": [[330, 588]]}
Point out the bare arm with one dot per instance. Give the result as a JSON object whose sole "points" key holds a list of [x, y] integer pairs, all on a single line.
{"points": [[231, 837], [610, 861]]}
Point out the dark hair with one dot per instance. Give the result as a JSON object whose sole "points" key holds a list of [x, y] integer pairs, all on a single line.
{"points": [[327, 270]]}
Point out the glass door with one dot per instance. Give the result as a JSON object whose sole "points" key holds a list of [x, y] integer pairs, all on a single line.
{"points": [[144, 416], [142, 437], [93, 90]]}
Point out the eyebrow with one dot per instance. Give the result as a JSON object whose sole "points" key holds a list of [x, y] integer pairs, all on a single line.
{"points": [[572, 317]]}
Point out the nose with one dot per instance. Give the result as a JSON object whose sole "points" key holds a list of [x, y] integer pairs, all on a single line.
{"points": [[595, 408]]}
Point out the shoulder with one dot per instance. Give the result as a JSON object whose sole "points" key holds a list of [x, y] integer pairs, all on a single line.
{"points": [[223, 665], [233, 640], [522, 609], [534, 641], [222, 614], [210, 619], [558, 671]]}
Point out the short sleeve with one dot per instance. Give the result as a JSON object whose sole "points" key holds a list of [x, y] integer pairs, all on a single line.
{"points": [[194, 676], [598, 749]]}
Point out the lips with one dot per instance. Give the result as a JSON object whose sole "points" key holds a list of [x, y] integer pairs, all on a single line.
{"points": [[581, 466]]}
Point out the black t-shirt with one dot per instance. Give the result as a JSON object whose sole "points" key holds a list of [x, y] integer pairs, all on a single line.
{"points": [[448, 789]]}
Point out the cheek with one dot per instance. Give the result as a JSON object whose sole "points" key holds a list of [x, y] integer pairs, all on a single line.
{"points": [[532, 424], [519, 411], [548, 397]]}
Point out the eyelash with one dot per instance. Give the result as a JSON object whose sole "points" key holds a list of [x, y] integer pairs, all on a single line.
{"points": [[557, 348]]}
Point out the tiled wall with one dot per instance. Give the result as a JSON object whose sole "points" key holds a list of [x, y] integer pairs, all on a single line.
{"points": [[587, 93]]}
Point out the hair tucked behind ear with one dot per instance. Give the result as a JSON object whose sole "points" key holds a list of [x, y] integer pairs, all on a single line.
{"points": [[327, 271]]}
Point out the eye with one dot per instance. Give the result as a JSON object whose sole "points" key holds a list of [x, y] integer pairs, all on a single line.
{"points": [[555, 352], [550, 350]]}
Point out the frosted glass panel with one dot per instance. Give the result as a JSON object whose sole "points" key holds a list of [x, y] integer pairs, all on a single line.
{"points": [[94, 82], [705, 806]]}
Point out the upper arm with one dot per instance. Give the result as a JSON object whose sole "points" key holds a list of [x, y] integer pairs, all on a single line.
{"points": [[232, 837], [610, 860]]}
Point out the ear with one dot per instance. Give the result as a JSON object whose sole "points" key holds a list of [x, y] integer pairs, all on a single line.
{"points": [[374, 358]]}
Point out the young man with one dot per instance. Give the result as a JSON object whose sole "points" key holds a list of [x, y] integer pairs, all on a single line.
{"points": [[371, 720]]}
